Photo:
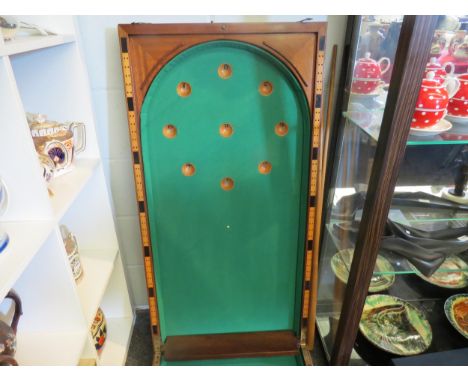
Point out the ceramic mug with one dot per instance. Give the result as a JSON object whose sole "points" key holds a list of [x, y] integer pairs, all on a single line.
{"points": [[4, 238], [71, 246]]}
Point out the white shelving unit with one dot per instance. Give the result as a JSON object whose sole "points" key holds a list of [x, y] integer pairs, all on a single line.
{"points": [[47, 75]]}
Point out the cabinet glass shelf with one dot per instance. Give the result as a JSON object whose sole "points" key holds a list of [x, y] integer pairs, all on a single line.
{"points": [[420, 218], [369, 121]]}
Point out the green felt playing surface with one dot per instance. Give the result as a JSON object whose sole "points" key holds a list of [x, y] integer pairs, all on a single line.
{"points": [[263, 361], [226, 261]]}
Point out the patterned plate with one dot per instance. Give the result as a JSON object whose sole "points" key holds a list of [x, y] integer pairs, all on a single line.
{"points": [[450, 280], [395, 325], [341, 263], [456, 310]]}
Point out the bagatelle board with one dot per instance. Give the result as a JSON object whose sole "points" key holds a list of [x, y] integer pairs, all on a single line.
{"points": [[225, 123]]}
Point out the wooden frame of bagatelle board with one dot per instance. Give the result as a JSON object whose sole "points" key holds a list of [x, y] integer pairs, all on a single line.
{"points": [[299, 46]]}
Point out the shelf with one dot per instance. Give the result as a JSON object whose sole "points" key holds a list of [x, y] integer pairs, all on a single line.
{"points": [[50, 348], [25, 240], [22, 44], [457, 135], [114, 352], [68, 186], [97, 269]]}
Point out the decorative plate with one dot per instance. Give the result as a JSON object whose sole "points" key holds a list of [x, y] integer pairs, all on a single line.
{"points": [[456, 310], [99, 330], [440, 127], [444, 279], [457, 119], [395, 325], [341, 263]]}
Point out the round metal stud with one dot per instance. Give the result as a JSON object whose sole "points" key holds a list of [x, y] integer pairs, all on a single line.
{"points": [[281, 129], [169, 131], [184, 89], [227, 184], [225, 71], [264, 167], [225, 130], [265, 88], [188, 169]]}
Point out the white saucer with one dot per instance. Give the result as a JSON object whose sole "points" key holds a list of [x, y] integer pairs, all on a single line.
{"points": [[374, 94], [456, 119], [438, 128]]}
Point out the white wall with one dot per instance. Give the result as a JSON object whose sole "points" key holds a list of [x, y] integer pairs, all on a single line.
{"points": [[101, 49]]}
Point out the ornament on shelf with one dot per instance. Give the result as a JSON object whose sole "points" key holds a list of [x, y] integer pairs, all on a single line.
{"points": [[11, 26], [4, 238], [439, 70], [99, 330], [8, 332], [458, 104], [58, 141], [367, 77], [433, 99], [71, 246]]}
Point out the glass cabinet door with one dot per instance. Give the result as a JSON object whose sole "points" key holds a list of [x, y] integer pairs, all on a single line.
{"points": [[373, 48], [424, 251], [417, 302]]}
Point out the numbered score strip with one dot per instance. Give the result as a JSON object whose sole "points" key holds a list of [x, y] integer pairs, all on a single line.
{"points": [[316, 131], [139, 187]]}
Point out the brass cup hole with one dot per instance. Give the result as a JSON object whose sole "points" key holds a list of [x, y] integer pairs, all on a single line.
{"points": [[264, 167], [265, 88], [227, 184], [188, 169], [225, 71], [184, 89], [281, 129], [169, 131], [226, 130]]}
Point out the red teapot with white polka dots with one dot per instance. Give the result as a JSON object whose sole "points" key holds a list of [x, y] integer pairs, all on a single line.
{"points": [[458, 105], [433, 100], [368, 74], [439, 70]]}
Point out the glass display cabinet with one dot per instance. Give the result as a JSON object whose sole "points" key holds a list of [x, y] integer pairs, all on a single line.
{"points": [[393, 275]]}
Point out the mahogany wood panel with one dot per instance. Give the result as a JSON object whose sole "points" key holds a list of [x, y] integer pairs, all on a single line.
{"points": [[410, 61], [235, 345]]}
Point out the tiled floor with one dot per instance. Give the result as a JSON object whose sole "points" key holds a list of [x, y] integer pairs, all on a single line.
{"points": [[141, 349]]}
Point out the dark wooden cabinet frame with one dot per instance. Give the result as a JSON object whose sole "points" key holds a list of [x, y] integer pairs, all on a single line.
{"points": [[142, 60], [408, 71]]}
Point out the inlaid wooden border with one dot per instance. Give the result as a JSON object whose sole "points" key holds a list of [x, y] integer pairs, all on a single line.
{"points": [[312, 85]]}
